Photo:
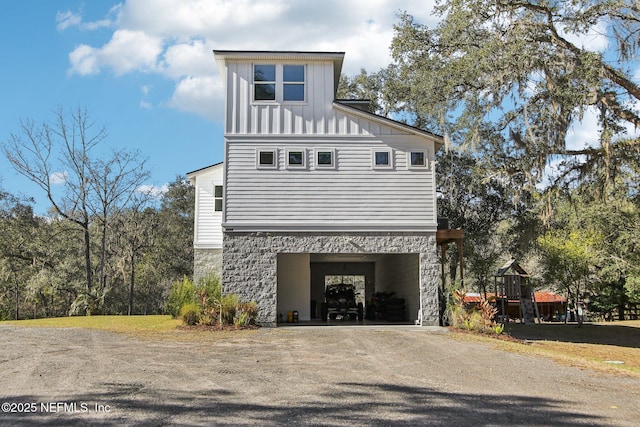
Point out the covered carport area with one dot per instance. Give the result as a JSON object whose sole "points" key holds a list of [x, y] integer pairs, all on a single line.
{"points": [[303, 278]]}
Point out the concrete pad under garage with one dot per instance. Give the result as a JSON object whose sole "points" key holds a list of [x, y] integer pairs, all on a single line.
{"points": [[302, 279]]}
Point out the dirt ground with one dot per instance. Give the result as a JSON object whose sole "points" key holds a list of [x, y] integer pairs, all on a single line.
{"points": [[335, 376]]}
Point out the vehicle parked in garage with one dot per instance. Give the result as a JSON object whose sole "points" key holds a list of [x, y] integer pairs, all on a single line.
{"points": [[341, 302]]}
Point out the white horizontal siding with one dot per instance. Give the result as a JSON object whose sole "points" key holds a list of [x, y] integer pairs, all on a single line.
{"points": [[208, 222], [353, 193]]}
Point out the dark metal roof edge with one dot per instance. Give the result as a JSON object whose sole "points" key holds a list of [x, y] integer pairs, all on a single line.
{"points": [[390, 121], [276, 52], [206, 167]]}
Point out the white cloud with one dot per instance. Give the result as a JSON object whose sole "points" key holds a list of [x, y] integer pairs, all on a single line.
{"points": [[146, 90], [67, 19], [84, 60], [188, 18], [153, 190], [189, 58], [586, 132], [131, 51], [594, 39], [199, 95], [127, 51], [58, 178]]}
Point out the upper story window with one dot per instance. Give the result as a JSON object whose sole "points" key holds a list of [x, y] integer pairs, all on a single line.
{"points": [[280, 83], [417, 160], [296, 158], [381, 159], [293, 82], [217, 197], [264, 82], [267, 158], [325, 158]]}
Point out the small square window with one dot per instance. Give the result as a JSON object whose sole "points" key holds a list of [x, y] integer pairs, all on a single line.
{"points": [[417, 160], [267, 159], [296, 159], [325, 159], [381, 159]]}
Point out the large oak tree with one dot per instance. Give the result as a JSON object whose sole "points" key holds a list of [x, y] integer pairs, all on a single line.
{"points": [[514, 77]]}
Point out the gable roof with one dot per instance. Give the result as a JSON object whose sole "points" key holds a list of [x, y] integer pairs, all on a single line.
{"points": [[343, 105], [192, 175], [512, 263]]}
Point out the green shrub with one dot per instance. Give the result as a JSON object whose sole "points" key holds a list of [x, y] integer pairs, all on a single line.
{"points": [[209, 294], [211, 285], [229, 303], [181, 294], [205, 304], [190, 314]]}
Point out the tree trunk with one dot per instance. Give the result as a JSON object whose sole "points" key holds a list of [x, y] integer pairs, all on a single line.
{"points": [[132, 279], [578, 305], [103, 254], [87, 256], [17, 302]]}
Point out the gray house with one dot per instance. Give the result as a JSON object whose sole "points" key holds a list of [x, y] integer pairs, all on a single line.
{"points": [[314, 189]]}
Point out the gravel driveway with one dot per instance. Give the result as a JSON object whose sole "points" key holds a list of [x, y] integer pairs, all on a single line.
{"points": [[296, 376]]}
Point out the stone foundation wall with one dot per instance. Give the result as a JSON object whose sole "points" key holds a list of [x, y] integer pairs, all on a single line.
{"points": [[249, 262], [205, 262]]}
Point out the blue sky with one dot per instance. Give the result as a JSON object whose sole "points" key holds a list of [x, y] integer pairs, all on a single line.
{"points": [[144, 69]]}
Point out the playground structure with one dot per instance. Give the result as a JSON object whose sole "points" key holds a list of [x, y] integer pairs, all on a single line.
{"points": [[514, 295]]}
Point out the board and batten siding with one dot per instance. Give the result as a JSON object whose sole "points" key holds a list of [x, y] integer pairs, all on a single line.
{"points": [[315, 116], [208, 222], [353, 196]]}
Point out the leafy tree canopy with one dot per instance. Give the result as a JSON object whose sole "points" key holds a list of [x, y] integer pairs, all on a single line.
{"points": [[514, 77]]}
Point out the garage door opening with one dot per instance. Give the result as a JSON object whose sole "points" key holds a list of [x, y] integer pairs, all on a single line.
{"points": [[386, 286]]}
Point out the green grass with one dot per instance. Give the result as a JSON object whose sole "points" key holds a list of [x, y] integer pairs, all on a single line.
{"points": [[121, 324]]}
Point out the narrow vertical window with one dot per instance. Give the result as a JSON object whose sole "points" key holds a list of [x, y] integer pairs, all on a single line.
{"points": [[293, 82], [217, 197], [264, 82]]}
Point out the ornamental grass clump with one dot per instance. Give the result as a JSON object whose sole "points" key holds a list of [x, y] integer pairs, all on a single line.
{"points": [[478, 318]]}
